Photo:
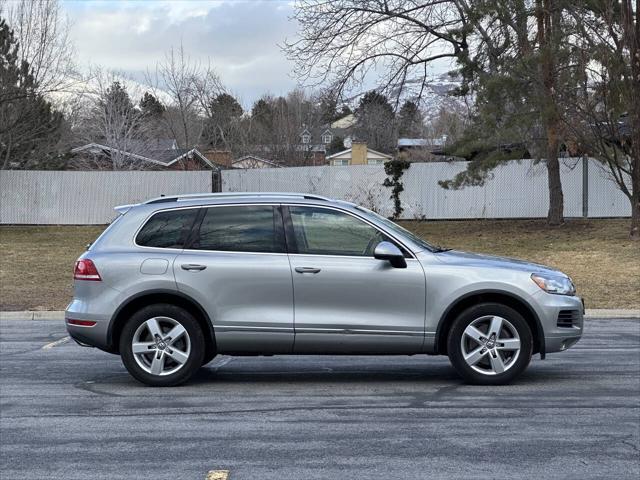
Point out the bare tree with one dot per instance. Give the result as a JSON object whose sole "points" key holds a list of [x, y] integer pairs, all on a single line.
{"points": [[114, 121], [344, 41], [189, 86], [606, 110], [42, 32]]}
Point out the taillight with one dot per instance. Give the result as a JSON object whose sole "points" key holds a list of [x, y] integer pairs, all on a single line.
{"points": [[86, 270], [81, 323]]}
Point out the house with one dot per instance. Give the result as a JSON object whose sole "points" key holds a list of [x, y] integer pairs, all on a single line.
{"points": [[358, 154], [423, 149], [319, 139], [431, 144], [152, 155], [253, 161], [316, 139]]}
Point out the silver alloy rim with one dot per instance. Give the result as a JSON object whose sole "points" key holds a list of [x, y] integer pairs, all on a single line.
{"points": [[490, 345], [161, 346]]}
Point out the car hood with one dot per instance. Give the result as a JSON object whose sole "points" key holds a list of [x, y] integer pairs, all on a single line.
{"points": [[456, 257]]}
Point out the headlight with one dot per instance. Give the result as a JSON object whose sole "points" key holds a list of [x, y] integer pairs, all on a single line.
{"points": [[554, 283]]}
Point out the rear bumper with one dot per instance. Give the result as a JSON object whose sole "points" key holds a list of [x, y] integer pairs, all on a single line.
{"points": [[95, 336], [93, 311]]}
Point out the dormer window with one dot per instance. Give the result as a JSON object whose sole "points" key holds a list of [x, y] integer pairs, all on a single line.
{"points": [[306, 138], [326, 138]]}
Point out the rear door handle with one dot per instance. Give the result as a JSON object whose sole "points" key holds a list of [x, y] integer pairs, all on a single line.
{"points": [[193, 266], [307, 270]]}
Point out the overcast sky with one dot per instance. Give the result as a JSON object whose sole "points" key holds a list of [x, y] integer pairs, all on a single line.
{"points": [[240, 37]]}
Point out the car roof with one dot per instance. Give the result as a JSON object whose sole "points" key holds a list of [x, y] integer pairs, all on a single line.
{"points": [[202, 199]]}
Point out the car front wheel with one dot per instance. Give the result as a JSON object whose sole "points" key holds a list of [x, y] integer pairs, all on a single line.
{"points": [[162, 345], [490, 344]]}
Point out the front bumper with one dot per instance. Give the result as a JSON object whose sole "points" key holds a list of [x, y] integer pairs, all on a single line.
{"points": [[559, 334]]}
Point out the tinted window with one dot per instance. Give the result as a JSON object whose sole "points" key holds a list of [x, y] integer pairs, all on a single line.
{"points": [[322, 231], [167, 229], [241, 229]]}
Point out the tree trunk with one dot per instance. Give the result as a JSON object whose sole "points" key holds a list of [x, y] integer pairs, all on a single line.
{"points": [[547, 22], [631, 30], [634, 234], [555, 215]]}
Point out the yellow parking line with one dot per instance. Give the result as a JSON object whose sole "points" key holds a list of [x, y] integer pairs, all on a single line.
{"points": [[217, 475]]}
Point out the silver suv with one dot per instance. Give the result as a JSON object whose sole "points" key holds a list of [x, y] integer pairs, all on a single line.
{"points": [[176, 280]]}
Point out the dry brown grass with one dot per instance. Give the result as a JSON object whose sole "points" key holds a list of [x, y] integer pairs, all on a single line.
{"points": [[37, 265], [37, 262]]}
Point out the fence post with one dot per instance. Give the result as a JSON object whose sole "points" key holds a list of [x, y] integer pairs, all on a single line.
{"points": [[585, 186]]}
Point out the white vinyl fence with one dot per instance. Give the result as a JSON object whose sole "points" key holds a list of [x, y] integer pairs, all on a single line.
{"points": [[518, 189], [84, 198]]}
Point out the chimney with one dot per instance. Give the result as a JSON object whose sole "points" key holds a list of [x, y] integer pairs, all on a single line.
{"points": [[219, 157], [358, 153]]}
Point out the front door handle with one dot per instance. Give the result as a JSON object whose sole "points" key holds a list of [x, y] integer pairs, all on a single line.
{"points": [[193, 266], [307, 270]]}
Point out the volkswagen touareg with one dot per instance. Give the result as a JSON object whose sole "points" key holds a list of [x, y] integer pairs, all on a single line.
{"points": [[174, 281]]}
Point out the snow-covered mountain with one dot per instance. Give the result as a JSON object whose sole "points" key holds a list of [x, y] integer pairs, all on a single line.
{"points": [[435, 93], [79, 91]]}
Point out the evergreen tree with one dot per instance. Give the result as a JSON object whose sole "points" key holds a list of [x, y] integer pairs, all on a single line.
{"points": [[119, 124], [116, 97], [375, 121], [150, 106], [29, 126], [223, 123], [328, 109], [336, 145], [262, 119], [410, 121]]}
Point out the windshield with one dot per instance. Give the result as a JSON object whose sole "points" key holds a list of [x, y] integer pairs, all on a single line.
{"points": [[394, 227]]}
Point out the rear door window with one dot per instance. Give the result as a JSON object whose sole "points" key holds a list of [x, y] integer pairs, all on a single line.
{"points": [[251, 228], [167, 229]]}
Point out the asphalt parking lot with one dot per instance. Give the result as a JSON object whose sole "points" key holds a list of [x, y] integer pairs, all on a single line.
{"points": [[74, 413]]}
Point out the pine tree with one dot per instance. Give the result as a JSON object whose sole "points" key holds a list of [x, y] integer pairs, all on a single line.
{"points": [[150, 106], [221, 130], [410, 121], [375, 121], [29, 126]]}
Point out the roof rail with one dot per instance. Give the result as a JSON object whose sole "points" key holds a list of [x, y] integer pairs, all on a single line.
{"points": [[196, 196]]}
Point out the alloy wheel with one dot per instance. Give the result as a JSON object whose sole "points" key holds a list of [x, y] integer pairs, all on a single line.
{"points": [[161, 346], [490, 345]]}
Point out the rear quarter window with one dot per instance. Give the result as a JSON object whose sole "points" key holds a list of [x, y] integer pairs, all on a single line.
{"points": [[167, 229]]}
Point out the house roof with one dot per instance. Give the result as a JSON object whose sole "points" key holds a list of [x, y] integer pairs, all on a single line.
{"points": [[421, 142], [164, 157], [413, 142], [345, 122], [369, 150], [257, 159]]}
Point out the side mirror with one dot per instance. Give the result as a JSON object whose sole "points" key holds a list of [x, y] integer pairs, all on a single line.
{"points": [[388, 251]]}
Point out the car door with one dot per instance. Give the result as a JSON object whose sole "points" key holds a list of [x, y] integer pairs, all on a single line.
{"points": [[346, 301], [236, 266]]}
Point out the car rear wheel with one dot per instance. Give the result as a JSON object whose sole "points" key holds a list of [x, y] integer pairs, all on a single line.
{"points": [[162, 345], [490, 344]]}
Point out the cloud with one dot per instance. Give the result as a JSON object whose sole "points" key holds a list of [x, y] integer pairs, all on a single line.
{"points": [[240, 38]]}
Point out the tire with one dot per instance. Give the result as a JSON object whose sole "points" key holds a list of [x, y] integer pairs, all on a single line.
{"points": [[472, 335], [208, 357], [176, 359]]}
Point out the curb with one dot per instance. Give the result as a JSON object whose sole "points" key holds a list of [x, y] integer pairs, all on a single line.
{"points": [[59, 315], [33, 315], [611, 313]]}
